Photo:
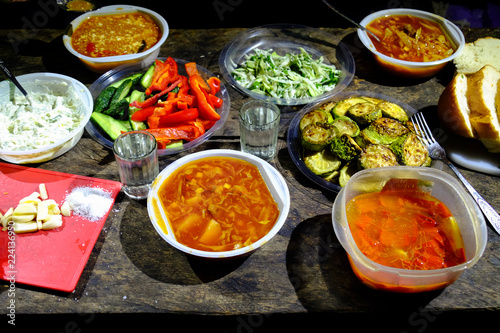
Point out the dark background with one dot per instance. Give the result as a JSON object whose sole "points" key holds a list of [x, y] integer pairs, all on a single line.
{"points": [[197, 14]]}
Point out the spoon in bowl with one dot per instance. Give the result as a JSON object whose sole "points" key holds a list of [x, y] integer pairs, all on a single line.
{"points": [[11, 77], [352, 21]]}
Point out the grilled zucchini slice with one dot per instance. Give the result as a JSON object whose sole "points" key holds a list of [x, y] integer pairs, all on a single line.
{"points": [[345, 147], [410, 151], [317, 136], [315, 116], [345, 125], [322, 163], [376, 156], [364, 113], [341, 107], [392, 110]]}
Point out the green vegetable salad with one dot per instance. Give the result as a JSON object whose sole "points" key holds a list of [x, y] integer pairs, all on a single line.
{"points": [[289, 77]]}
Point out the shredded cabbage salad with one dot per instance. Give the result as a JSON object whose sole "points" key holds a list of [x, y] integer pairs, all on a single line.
{"points": [[289, 77]]}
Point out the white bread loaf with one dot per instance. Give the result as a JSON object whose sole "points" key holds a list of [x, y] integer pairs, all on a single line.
{"points": [[482, 96], [453, 108], [484, 51], [470, 106]]}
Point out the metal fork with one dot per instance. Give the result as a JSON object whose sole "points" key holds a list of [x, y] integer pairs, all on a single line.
{"points": [[437, 152]]}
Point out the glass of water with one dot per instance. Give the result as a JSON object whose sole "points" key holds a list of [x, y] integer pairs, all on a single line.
{"points": [[259, 126], [137, 158]]}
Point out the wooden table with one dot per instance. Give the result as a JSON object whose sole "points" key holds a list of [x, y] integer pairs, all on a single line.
{"points": [[300, 278]]}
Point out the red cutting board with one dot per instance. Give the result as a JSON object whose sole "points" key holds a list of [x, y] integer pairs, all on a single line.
{"points": [[52, 259]]}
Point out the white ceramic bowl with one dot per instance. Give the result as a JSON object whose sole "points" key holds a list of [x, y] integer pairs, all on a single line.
{"points": [[37, 82], [275, 182], [409, 68], [103, 64]]}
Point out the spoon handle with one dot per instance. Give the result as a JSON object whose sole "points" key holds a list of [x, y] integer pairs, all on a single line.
{"points": [[352, 21], [12, 77]]}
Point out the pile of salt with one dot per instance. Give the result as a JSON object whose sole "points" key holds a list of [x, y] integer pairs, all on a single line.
{"points": [[89, 202]]}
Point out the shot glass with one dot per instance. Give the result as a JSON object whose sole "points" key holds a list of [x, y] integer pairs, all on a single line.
{"points": [[259, 126], [137, 158]]}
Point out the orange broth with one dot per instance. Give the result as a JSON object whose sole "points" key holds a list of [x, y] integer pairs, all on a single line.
{"points": [[218, 204], [406, 229], [118, 34], [410, 38]]}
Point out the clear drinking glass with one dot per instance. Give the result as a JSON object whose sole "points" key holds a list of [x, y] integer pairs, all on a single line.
{"points": [[259, 126], [137, 159]]}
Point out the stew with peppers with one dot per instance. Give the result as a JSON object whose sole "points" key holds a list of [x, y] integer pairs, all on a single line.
{"points": [[118, 34], [218, 204], [405, 228], [410, 38]]}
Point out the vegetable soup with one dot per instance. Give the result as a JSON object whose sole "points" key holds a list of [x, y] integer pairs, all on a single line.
{"points": [[218, 204], [404, 227], [410, 38], [119, 34]]}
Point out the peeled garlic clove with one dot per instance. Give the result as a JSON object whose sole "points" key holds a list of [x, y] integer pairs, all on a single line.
{"points": [[54, 222], [66, 209], [20, 228], [25, 209], [23, 218], [43, 191]]}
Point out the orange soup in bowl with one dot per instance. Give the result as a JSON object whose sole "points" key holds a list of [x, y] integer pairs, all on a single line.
{"points": [[410, 38], [218, 204], [117, 34]]}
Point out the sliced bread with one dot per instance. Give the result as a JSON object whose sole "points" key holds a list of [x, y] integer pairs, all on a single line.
{"points": [[482, 97], [453, 108], [484, 51]]}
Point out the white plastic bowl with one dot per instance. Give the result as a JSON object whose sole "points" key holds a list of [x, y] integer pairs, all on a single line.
{"points": [[409, 68], [36, 82], [274, 180], [103, 64]]}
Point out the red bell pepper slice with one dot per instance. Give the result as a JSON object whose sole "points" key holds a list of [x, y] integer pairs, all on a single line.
{"points": [[143, 114], [165, 72], [184, 132], [216, 102], [214, 84], [152, 100], [204, 108], [178, 118]]}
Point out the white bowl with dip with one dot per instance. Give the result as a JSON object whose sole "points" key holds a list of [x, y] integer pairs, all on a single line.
{"points": [[103, 64], [66, 102], [412, 69], [274, 181]]}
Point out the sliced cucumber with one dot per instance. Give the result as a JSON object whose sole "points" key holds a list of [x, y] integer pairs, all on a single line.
{"points": [[147, 78], [112, 127], [103, 100]]}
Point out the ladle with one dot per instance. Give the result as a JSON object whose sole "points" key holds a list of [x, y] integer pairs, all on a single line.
{"points": [[352, 21]]}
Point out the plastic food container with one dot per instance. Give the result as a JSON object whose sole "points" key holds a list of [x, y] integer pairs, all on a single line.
{"points": [[275, 182], [37, 82], [285, 39], [103, 64], [408, 68], [446, 189], [124, 71]]}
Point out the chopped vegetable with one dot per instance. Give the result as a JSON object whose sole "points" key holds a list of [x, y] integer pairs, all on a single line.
{"points": [[172, 106], [289, 76]]}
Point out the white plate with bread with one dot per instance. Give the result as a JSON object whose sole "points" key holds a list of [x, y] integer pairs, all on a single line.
{"points": [[469, 108]]}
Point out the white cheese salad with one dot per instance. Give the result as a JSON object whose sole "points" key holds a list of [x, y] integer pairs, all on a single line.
{"points": [[51, 113]]}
